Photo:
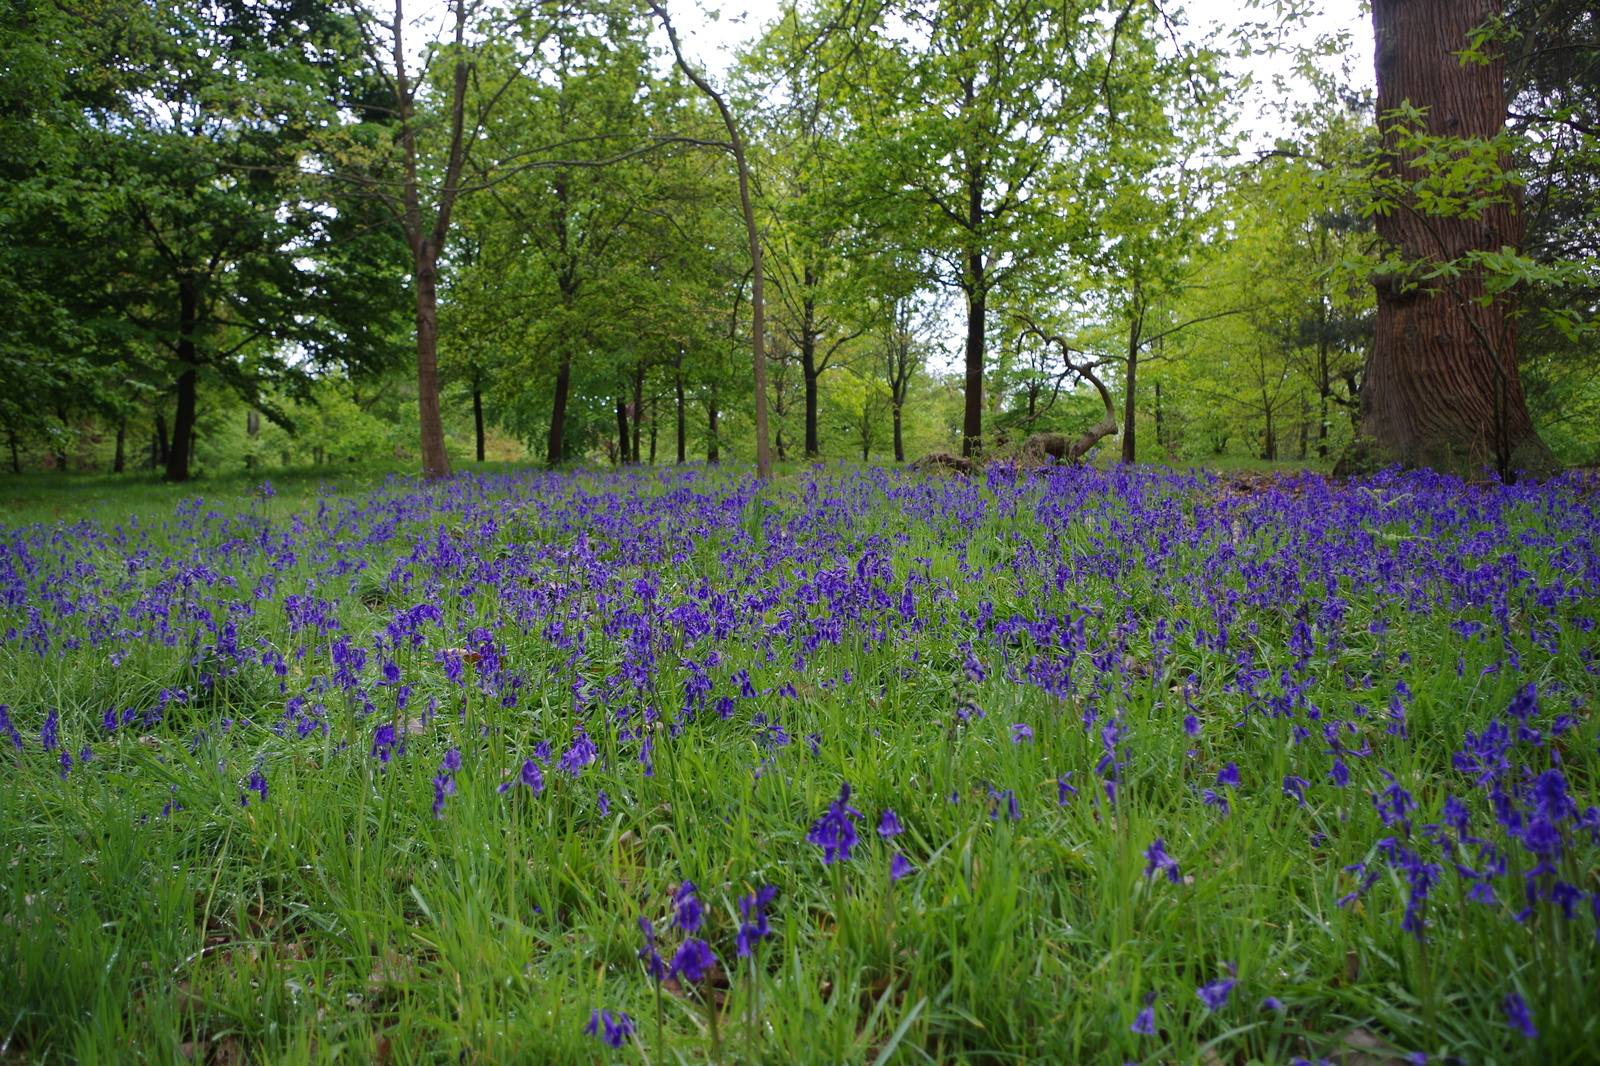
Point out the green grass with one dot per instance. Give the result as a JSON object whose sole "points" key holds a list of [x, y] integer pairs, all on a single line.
{"points": [[339, 920]]}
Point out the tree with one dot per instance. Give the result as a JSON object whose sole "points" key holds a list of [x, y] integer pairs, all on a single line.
{"points": [[169, 222], [1442, 387], [736, 145]]}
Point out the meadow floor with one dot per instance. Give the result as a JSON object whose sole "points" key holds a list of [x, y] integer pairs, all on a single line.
{"points": [[663, 766]]}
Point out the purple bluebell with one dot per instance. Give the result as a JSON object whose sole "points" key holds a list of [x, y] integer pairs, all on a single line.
{"points": [[1144, 1023], [1517, 1015], [1295, 787], [1021, 732], [900, 866], [693, 960], [889, 824], [835, 831], [612, 1028], [753, 914], [1064, 788], [1229, 776], [689, 915], [48, 732], [1215, 994], [654, 965], [1157, 859]]}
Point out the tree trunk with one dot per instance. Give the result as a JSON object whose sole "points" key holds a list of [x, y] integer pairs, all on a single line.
{"points": [[899, 445], [653, 430], [1135, 328], [808, 361], [16, 452], [177, 456], [477, 416], [683, 436], [119, 462], [435, 460], [622, 431], [638, 408], [713, 453], [977, 306], [558, 412], [1161, 434], [1441, 388]]}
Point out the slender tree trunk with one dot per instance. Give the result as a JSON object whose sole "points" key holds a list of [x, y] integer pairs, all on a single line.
{"points": [[163, 447], [653, 430], [1269, 449], [713, 452], [622, 431], [899, 445], [638, 407], [558, 412], [1442, 387], [1135, 329], [16, 452], [683, 436], [119, 462], [1161, 429], [808, 360], [435, 460], [188, 357], [477, 416]]}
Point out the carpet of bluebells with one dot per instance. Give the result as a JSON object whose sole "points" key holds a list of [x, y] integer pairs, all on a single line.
{"points": [[857, 766]]}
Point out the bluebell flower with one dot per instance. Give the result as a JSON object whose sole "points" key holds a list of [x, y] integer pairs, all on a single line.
{"points": [[654, 965], [1021, 732], [835, 831], [889, 824], [1215, 995], [613, 1029], [1229, 775], [754, 925], [1295, 787], [900, 866], [47, 733], [530, 776], [1517, 1015], [1272, 1003], [690, 915], [1064, 789], [693, 960], [1144, 1023], [1158, 860], [1191, 725], [602, 802]]}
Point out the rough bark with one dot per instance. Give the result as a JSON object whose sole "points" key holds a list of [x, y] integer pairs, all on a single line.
{"points": [[1441, 388]]}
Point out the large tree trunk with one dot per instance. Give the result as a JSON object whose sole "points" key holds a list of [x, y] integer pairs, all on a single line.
{"points": [[1441, 388], [183, 422]]}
